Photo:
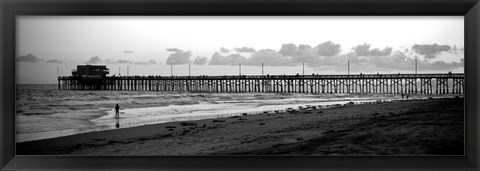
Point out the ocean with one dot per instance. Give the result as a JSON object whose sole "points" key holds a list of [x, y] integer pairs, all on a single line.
{"points": [[43, 111]]}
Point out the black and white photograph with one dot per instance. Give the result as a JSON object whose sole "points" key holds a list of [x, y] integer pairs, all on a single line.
{"points": [[240, 85]]}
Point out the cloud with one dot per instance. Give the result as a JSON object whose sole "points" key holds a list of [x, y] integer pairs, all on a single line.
{"points": [[232, 59], [150, 62], [328, 49], [200, 60], [269, 57], [378, 52], [53, 61], [439, 65], [109, 61], [306, 54], [303, 47], [288, 49], [94, 60], [430, 51], [123, 61], [328, 55], [28, 58], [397, 60], [364, 50], [179, 57], [128, 51], [173, 50], [235, 59], [98, 60], [34, 59], [224, 50], [218, 59], [245, 49]]}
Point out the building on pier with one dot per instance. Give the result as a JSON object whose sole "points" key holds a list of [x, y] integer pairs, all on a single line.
{"points": [[90, 71]]}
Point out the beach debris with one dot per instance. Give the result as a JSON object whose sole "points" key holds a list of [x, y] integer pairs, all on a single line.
{"points": [[235, 117], [244, 114], [204, 125], [185, 132], [161, 136], [320, 111], [170, 127], [290, 110], [188, 124], [261, 123], [300, 139], [265, 112], [218, 120]]}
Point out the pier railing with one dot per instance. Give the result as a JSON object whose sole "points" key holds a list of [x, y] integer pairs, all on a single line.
{"points": [[361, 83]]}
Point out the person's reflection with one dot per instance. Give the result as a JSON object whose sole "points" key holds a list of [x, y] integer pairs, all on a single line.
{"points": [[117, 123]]}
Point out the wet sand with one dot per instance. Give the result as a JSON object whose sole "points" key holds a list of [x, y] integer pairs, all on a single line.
{"points": [[413, 127]]}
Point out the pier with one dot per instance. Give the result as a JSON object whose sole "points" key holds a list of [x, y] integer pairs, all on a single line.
{"points": [[451, 83]]}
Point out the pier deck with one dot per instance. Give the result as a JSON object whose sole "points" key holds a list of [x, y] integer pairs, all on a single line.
{"points": [[452, 83]]}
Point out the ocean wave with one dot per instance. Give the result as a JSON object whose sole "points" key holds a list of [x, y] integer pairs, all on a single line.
{"points": [[37, 113]]}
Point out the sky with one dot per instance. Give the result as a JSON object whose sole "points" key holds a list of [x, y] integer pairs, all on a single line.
{"points": [[217, 45]]}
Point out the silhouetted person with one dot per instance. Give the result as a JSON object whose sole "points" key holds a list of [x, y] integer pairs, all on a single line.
{"points": [[117, 111], [403, 95], [408, 96]]}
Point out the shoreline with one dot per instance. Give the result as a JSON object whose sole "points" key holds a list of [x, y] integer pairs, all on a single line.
{"points": [[104, 120], [270, 133]]}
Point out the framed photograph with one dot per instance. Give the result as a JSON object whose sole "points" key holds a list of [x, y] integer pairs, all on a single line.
{"points": [[240, 85]]}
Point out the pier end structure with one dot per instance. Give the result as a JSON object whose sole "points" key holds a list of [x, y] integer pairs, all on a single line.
{"points": [[87, 72]]}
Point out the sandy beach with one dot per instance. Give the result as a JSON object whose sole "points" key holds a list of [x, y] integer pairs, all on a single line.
{"points": [[409, 127]]}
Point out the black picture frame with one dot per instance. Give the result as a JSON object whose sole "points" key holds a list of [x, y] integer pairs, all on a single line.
{"points": [[470, 9]]}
